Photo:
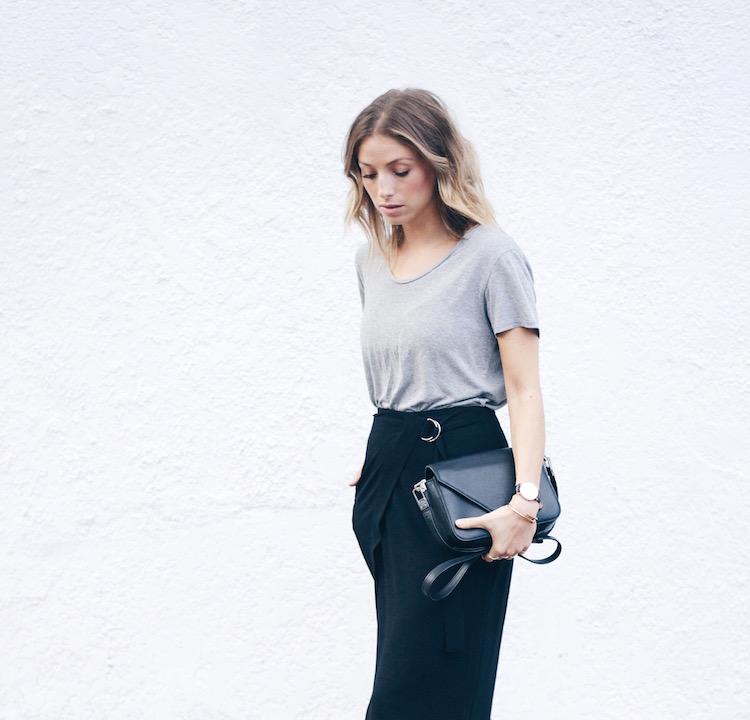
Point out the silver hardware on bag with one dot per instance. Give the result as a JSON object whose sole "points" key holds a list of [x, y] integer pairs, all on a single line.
{"points": [[419, 494], [548, 465], [432, 438]]}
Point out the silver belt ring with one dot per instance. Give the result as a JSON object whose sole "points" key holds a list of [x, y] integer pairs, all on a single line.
{"points": [[432, 438]]}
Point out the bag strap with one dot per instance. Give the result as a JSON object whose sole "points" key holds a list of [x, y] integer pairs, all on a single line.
{"points": [[465, 562], [553, 556]]}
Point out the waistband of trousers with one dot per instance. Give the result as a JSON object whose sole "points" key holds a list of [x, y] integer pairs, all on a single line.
{"points": [[449, 418], [464, 411]]}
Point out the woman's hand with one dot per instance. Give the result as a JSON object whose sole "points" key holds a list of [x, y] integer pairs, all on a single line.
{"points": [[356, 478], [511, 534]]}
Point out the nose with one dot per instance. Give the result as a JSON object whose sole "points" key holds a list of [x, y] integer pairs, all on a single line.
{"points": [[385, 186]]}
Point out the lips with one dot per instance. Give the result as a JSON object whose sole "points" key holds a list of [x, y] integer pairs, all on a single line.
{"points": [[390, 208]]}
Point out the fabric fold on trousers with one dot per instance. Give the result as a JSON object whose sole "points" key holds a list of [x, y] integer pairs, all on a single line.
{"points": [[397, 434]]}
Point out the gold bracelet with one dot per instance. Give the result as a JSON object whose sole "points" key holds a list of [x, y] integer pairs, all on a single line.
{"points": [[530, 518]]}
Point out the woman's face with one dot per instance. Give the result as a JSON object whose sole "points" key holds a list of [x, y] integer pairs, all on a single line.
{"points": [[399, 181]]}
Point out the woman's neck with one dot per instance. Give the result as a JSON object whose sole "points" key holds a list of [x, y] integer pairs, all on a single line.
{"points": [[427, 232]]}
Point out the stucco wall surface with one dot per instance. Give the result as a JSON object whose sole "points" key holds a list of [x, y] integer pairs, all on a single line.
{"points": [[183, 400]]}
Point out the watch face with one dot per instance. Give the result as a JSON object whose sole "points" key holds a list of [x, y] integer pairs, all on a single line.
{"points": [[528, 491]]}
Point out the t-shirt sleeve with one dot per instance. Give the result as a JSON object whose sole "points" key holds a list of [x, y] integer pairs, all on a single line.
{"points": [[509, 296]]}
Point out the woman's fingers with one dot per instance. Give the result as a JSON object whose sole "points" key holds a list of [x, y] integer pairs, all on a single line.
{"points": [[509, 537], [496, 553], [468, 523], [356, 478], [500, 551], [508, 552]]}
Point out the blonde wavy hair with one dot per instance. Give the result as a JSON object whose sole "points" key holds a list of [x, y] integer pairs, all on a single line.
{"points": [[420, 120]]}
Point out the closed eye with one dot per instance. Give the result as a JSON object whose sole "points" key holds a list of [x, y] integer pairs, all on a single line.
{"points": [[370, 176]]}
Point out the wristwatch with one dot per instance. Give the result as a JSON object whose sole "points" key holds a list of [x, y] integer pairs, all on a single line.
{"points": [[528, 491]]}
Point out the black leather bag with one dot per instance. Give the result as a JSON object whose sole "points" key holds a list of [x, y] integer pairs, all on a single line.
{"points": [[470, 486]]}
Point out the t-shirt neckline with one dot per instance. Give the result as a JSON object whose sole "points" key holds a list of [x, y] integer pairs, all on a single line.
{"points": [[399, 281]]}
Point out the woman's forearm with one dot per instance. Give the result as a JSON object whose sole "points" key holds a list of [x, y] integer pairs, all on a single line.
{"points": [[519, 352], [527, 432]]}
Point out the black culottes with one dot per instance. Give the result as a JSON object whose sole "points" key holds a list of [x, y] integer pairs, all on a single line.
{"points": [[435, 660]]}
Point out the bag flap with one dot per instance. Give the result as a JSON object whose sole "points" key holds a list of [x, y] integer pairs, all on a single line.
{"points": [[488, 479]]}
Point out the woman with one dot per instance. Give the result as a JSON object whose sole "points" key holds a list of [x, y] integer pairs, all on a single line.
{"points": [[449, 335]]}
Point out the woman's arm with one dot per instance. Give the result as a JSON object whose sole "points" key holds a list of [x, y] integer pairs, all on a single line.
{"points": [[511, 533], [519, 352]]}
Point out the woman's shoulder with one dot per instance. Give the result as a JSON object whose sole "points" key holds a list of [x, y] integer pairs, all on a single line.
{"points": [[368, 259], [489, 244], [360, 254]]}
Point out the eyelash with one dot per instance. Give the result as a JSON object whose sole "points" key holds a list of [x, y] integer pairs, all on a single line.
{"points": [[372, 175]]}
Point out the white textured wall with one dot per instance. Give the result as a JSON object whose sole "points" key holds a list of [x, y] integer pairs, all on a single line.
{"points": [[182, 394]]}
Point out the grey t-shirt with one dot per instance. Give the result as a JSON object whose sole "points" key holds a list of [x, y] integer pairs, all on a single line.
{"points": [[429, 342]]}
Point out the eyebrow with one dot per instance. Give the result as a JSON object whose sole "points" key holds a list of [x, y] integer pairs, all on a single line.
{"points": [[392, 162]]}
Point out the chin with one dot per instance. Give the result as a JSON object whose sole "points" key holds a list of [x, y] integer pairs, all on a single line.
{"points": [[396, 221]]}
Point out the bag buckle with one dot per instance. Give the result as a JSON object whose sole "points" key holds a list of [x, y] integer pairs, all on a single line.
{"points": [[438, 428], [419, 492]]}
